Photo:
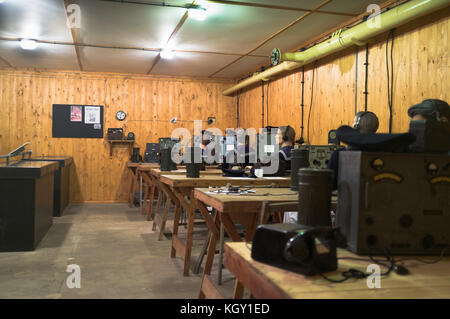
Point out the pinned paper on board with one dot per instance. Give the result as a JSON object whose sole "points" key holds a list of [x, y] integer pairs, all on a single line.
{"points": [[76, 113], [91, 115]]}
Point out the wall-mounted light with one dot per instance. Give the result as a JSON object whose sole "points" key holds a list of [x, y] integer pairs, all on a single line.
{"points": [[166, 54], [28, 44], [197, 13]]}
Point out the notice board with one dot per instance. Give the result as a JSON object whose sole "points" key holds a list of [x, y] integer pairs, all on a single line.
{"points": [[77, 121]]}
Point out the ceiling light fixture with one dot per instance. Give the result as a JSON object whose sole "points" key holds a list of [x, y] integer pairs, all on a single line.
{"points": [[197, 12], [28, 44], [166, 54]]}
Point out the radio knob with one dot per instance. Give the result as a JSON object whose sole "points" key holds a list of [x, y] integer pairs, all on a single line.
{"points": [[428, 242], [371, 240], [377, 164], [432, 168], [406, 221]]}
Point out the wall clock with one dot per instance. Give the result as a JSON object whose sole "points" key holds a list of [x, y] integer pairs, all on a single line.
{"points": [[121, 115]]}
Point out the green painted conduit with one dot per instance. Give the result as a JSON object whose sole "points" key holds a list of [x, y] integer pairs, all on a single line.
{"points": [[359, 34]]}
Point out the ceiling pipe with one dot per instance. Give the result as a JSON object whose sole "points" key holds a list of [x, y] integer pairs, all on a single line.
{"points": [[340, 39]]}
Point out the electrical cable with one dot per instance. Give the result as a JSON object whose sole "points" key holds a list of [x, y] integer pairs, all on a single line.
{"points": [[356, 79], [262, 97], [366, 64], [302, 106], [312, 95], [390, 74], [358, 274], [303, 101], [237, 108], [267, 103]]}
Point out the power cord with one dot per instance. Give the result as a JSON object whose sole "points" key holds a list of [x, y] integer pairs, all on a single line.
{"points": [[390, 74], [358, 274], [312, 95]]}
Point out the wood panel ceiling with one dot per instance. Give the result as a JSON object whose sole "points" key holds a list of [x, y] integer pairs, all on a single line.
{"points": [[127, 36]]}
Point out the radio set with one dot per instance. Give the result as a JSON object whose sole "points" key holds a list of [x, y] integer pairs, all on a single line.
{"points": [[310, 156], [165, 153], [115, 133], [319, 155], [398, 201], [151, 154]]}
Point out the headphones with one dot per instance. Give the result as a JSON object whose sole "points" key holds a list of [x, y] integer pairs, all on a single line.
{"points": [[359, 116], [285, 138]]}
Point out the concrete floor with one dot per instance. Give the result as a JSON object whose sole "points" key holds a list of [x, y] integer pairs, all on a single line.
{"points": [[118, 254]]}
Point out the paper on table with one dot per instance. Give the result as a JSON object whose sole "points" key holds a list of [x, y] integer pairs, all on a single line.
{"points": [[245, 178], [274, 177]]}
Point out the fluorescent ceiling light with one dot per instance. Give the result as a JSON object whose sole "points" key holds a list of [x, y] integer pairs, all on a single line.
{"points": [[166, 54], [28, 44], [197, 13]]}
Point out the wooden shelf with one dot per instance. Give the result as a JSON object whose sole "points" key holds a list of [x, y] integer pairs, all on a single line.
{"points": [[112, 142]]}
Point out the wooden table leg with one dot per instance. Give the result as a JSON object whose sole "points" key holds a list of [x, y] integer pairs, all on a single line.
{"points": [[162, 225], [184, 249], [177, 245], [231, 230], [170, 197], [207, 287], [148, 181], [176, 221], [150, 205], [189, 231], [158, 207], [145, 199], [132, 186], [238, 290], [221, 244]]}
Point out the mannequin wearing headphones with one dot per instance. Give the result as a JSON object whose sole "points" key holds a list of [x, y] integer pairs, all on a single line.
{"points": [[287, 135], [366, 122]]}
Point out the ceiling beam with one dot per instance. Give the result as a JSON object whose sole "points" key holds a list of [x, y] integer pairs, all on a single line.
{"points": [[74, 36], [274, 35], [175, 31], [87, 45], [6, 62], [270, 6], [319, 37]]}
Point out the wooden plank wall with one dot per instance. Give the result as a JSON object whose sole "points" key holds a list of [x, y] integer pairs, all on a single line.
{"points": [[421, 68], [26, 99]]}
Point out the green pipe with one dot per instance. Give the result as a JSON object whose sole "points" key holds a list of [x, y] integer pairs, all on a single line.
{"points": [[363, 31], [358, 35]]}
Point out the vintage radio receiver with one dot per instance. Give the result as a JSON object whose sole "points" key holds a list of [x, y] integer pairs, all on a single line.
{"points": [[115, 133], [397, 201], [319, 155], [165, 149], [151, 153]]}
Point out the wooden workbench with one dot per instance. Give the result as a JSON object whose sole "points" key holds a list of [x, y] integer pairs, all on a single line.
{"points": [[243, 209], [134, 175], [268, 282], [180, 190], [151, 176]]}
